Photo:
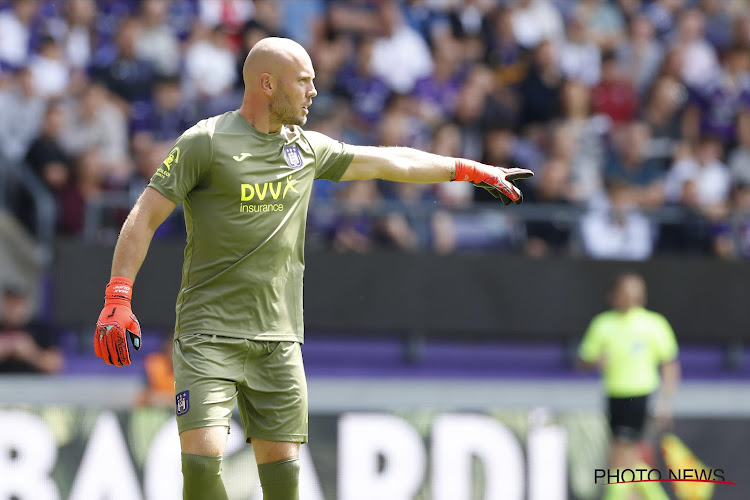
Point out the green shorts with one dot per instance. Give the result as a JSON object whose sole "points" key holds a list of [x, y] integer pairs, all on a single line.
{"points": [[265, 379]]}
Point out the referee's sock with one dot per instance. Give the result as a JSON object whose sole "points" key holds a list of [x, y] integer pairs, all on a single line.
{"points": [[620, 491], [201, 478], [280, 480], [651, 491]]}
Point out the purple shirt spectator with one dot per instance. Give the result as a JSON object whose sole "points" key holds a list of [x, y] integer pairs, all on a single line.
{"points": [[718, 102], [442, 94], [368, 94]]}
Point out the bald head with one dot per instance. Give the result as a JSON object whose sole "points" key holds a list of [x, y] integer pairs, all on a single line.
{"points": [[279, 87], [274, 56]]}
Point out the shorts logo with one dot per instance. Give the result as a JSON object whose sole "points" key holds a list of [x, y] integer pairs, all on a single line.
{"points": [[292, 156], [183, 403]]}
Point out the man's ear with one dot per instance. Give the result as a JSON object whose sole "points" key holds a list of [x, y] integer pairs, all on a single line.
{"points": [[266, 83]]}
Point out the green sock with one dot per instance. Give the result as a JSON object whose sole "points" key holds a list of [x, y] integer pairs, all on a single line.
{"points": [[201, 478], [621, 491], [617, 491], [650, 491], [280, 480]]}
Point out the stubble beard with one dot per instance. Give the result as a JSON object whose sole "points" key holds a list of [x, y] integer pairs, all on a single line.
{"points": [[283, 111]]}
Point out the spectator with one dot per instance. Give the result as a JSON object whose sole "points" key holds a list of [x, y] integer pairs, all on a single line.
{"points": [[22, 113], [401, 56], [699, 61], [718, 23], [209, 64], [437, 93], [77, 33], [732, 234], [402, 228], [352, 230], [367, 93], [503, 52], [26, 345], [158, 43], [503, 147], [480, 107], [300, 18], [714, 104], [554, 186], [586, 132], [640, 55], [168, 114], [663, 15], [94, 122], [615, 229], [540, 89], [87, 184], [663, 115], [603, 21], [615, 95], [15, 33], [46, 156], [739, 158], [536, 21], [700, 180], [50, 72], [631, 165], [580, 58], [121, 69], [229, 14]]}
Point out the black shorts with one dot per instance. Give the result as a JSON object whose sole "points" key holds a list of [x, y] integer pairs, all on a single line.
{"points": [[627, 417]]}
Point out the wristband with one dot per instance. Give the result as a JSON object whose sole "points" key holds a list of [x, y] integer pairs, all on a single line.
{"points": [[119, 291], [466, 170]]}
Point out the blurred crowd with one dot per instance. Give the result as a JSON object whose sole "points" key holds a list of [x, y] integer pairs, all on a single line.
{"points": [[634, 114]]}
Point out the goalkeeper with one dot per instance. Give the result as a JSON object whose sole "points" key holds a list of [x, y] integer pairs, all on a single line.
{"points": [[244, 179]]}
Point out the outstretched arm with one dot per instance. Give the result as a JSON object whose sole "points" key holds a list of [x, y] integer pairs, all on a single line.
{"points": [[399, 164], [412, 165]]}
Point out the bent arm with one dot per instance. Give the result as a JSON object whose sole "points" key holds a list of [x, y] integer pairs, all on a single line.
{"points": [[399, 164], [146, 216]]}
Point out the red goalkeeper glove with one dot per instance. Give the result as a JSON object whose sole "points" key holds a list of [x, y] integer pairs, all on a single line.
{"points": [[116, 322], [499, 181]]}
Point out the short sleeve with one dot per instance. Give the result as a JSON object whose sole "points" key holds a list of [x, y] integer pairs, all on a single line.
{"points": [[332, 157], [591, 346], [187, 163], [666, 342]]}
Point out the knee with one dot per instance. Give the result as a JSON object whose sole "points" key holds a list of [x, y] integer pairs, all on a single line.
{"points": [[201, 466], [281, 472]]}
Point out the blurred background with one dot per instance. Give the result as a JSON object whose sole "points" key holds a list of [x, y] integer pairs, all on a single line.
{"points": [[442, 327]]}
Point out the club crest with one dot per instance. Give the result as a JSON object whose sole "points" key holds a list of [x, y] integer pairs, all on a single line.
{"points": [[183, 402], [292, 156]]}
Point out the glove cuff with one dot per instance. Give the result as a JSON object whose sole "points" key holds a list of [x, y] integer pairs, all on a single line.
{"points": [[466, 170], [119, 291]]}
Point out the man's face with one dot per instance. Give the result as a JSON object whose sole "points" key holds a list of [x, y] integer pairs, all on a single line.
{"points": [[294, 95]]}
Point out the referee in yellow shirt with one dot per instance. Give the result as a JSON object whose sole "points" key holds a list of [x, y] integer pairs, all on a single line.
{"points": [[631, 346]]}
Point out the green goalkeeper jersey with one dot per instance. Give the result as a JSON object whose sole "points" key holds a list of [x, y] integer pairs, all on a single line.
{"points": [[245, 196]]}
